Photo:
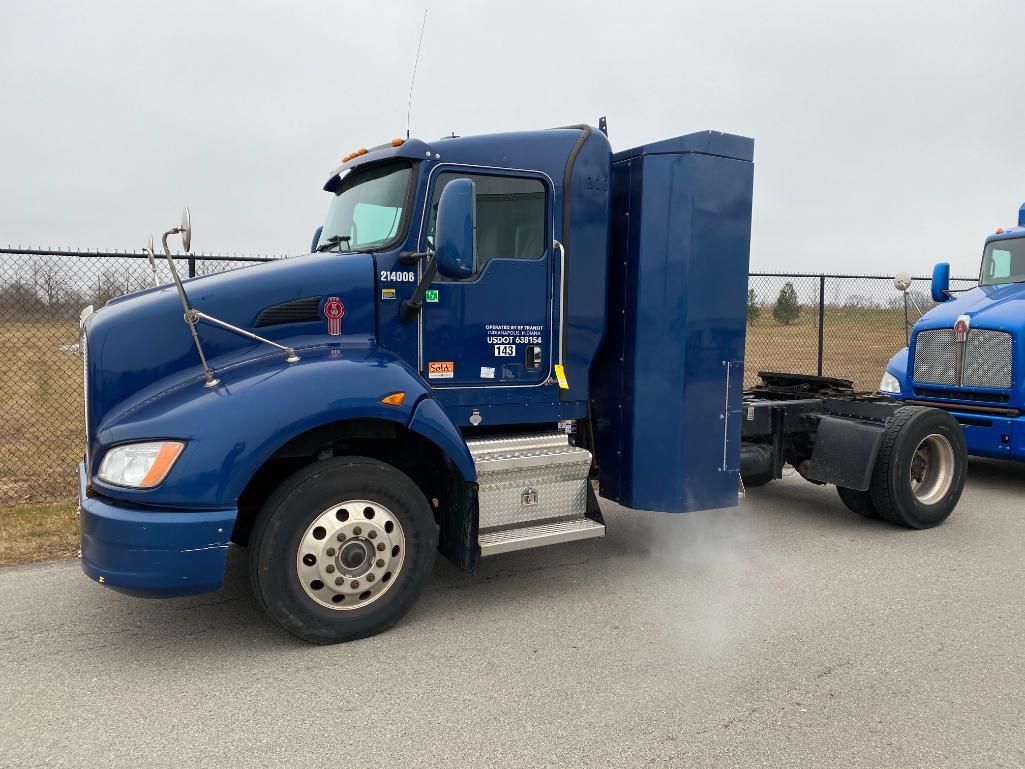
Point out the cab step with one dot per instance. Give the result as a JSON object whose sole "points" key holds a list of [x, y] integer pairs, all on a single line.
{"points": [[507, 540], [532, 491]]}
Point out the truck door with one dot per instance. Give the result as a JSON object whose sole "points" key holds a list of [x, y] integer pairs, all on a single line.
{"points": [[493, 328]]}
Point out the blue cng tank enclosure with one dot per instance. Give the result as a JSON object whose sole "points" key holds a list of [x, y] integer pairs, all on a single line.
{"points": [[668, 380]]}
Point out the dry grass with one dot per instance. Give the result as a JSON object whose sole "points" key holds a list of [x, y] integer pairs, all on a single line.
{"points": [[38, 531], [41, 432], [858, 344]]}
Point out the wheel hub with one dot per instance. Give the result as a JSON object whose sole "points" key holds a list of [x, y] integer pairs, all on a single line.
{"points": [[354, 557], [350, 554], [932, 469]]}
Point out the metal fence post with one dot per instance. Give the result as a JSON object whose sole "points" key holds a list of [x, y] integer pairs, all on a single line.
{"points": [[192, 266], [822, 316]]}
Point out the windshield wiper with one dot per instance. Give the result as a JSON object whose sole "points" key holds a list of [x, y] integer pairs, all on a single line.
{"points": [[333, 241]]}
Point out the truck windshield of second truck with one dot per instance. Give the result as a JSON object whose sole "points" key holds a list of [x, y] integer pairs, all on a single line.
{"points": [[1003, 262], [368, 209]]}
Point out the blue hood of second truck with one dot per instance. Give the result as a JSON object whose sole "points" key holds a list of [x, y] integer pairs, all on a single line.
{"points": [[996, 307], [139, 345]]}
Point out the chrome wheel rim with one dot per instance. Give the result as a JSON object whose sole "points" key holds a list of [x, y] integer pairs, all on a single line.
{"points": [[350, 555], [932, 469]]}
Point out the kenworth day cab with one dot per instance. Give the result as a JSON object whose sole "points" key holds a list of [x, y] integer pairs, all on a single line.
{"points": [[967, 356], [488, 328]]}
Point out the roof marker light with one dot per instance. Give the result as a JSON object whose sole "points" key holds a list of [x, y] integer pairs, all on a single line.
{"points": [[397, 142], [395, 399], [362, 151], [1000, 230]]}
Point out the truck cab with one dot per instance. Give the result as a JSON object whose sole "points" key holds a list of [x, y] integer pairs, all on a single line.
{"points": [[488, 333], [966, 355]]}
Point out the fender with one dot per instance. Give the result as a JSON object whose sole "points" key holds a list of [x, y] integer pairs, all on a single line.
{"points": [[231, 430]]}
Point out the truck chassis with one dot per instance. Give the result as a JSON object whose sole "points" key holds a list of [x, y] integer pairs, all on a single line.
{"points": [[905, 464]]}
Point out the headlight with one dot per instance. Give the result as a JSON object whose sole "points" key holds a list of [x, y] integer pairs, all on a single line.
{"points": [[139, 465], [889, 384]]}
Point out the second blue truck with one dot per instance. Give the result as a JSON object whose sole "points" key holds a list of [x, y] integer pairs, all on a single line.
{"points": [[967, 355]]}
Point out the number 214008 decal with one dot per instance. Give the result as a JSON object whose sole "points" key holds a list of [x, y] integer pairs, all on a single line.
{"points": [[401, 276]]}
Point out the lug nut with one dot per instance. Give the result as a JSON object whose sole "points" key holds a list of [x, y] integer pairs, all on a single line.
{"points": [[372, 534], [370, 578], [354, 583], [341, 536], [380, 562], [330, 551], [357, 531], [380, 545], [339, 581], [330, 568]]}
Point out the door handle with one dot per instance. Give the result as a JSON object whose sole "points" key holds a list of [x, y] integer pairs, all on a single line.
{"points": [[532, 357]]}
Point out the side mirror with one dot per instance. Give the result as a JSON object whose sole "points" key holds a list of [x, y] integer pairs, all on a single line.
{"points": [[455, 232], [186, 229], [940, 282], [316, 239]]}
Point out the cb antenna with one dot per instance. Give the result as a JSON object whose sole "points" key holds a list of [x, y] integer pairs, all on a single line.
{"points": [[412, 80]]}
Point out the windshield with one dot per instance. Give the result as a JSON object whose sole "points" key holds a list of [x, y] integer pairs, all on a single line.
{"points": [[368, 208], [1003, 261]]}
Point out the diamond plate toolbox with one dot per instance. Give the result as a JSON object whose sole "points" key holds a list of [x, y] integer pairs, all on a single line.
{"points": [[524, 479]]}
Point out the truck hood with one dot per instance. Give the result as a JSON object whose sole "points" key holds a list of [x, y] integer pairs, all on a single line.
{"points": [[139, 346], [996, 307]]}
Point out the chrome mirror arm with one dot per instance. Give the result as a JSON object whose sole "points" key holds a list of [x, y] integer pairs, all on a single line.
{"points": [[194, 316]]}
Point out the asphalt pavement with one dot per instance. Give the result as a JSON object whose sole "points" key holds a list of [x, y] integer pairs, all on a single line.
{"points": [[786, 632]]}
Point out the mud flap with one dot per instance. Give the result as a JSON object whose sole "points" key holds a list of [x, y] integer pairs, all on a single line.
{"points": [[845, 453]]}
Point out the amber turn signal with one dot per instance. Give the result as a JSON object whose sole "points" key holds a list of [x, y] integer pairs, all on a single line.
{"points": [[395, 399]]}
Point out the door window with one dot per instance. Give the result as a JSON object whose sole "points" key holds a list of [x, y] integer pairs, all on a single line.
{"points": [[510, 216]]}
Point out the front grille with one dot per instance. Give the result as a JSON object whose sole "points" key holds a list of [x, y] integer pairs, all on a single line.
{"points": [[962, 395], [936, 357], [987, 359]]}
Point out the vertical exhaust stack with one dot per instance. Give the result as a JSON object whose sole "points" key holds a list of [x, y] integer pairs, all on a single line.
{"points": [[668, 381]]}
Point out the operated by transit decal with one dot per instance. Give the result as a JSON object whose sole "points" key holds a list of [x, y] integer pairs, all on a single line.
{"points": [[504, 338]]}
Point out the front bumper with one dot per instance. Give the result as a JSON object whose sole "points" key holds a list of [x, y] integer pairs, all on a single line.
{"points": [[993, 436], [153, 554]]}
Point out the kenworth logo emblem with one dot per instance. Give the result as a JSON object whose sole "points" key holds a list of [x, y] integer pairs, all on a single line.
{"points": [[334, 311], [961, 328]]}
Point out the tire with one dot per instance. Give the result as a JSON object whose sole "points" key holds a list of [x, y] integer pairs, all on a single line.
{"points": [[920, 470], [342, 549], [859, 502]]}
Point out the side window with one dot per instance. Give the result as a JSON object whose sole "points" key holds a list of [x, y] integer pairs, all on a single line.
{"points": [[510, 216]]}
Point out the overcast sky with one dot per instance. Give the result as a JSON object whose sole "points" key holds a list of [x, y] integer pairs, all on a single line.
{"points": [[887, 133]]}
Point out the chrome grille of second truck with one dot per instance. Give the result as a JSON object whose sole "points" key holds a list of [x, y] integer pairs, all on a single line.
{"points": [[986, 359]]}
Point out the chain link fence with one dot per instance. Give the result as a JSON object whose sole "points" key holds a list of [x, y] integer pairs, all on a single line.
{"points": [[846, 326], [839, 325], [42, 293]]}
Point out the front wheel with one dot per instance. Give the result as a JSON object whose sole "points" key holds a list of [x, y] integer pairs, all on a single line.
{"points": [[342, 549]]}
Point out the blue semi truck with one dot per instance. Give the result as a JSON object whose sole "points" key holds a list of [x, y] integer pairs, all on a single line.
{"points": [[489, 333], [967, 356]]}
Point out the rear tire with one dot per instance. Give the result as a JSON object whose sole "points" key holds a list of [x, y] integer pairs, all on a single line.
{"points": [[920, 471], [859, 502], [342, 549]]}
